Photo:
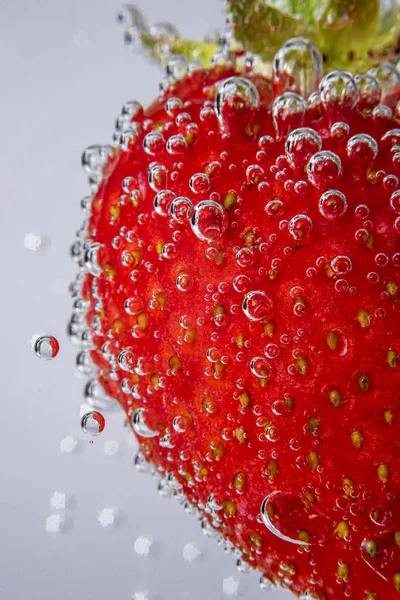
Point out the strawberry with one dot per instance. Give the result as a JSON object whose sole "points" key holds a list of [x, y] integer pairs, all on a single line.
{"points": [[240, 300]]}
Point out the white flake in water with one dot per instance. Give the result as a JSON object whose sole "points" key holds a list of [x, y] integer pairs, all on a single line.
{"points": [[140, 596], [68, 444], [230, 586], [190, 552], [111, 448], [57, 501], [54, 523], [81, 40], [36, 242], [142, 545], [106, 517]]}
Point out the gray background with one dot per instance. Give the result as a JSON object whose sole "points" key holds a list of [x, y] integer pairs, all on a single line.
{"points": [[64, 73]]}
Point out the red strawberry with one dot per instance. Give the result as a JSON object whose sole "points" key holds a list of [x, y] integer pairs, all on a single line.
{"points": [[242, 265]]}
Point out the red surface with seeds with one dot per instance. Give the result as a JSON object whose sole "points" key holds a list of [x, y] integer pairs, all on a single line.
{"points": [[293, 389]]}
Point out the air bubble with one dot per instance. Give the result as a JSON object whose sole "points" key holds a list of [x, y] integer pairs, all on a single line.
{"points": [[94, 158], [362, 148], [332, 204], [257, 306], [234, 94], [298, 67], [271, 351], [389, 80], [93, 423], [300, 228], [181, 209], [157, 175], [209, 220], [341, 265], [395, 202], [46, 346], [91, 259], [245, 257], [301, 145], [162, 202], [96, 397], [139, 424], [260, 367], [324, 169], [338, 91], [291, 518], [184, 282], [127, 360], [176, 144], [288, 111], [369, 91], [199, 183], [241, 283], [153, 143]]}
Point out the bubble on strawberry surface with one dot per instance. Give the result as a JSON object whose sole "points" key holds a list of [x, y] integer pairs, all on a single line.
{"points": [[341, 265], [127, 360], [338, 91], [153, 143], [301, 145], [257, 306], [369, 91], [298, 67], [176, 144], [389, 80], [300, 228], [199, 183], [91, 259], [181, 209], [362, 148], [139, 424], [260, 367], [162, 202], [332, 204], [93, 423], [93, 160], [245, 257], [233, 94], [288, 111], [324, 169], [395, 202], [46, 347], [184, 282], [292, 518], [157, 176], [209, 220]]}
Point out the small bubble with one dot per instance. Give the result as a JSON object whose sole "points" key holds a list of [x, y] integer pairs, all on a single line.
{"points": [[341, 265], [362, 148], [301, 145], [395, 202], [162, 202], [127, 360], [199, 183], [181, 209], [338, 91], [288, 111], [388, 79], [272, 351], [153, 143], [245, 257], [369, 91], [209, 220], [176, 144], [139, 425], [257, 306], [324, 169], [184, 282], [234, 94], [260, 367], [93, 423], [47, 347], [300, 228], [91, 259], [332, 204], [241, 283], [381, 259]]}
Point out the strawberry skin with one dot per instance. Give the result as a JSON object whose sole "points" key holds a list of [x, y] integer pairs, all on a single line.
{"points": [[242, 265]]}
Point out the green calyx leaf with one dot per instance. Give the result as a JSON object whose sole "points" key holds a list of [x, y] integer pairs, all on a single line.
{"points": [[351, 34]]}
